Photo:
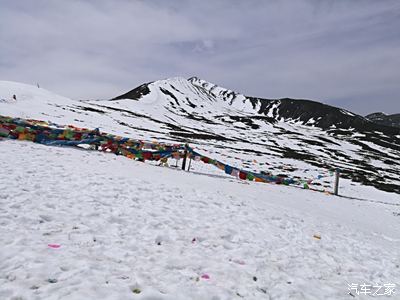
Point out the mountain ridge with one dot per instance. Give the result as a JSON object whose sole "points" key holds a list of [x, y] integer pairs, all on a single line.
{"points": [[381, 118], [251, 133], [307, 111]]}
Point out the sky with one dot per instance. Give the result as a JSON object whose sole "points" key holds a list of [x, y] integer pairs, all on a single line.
{"points": [[343, 53]]}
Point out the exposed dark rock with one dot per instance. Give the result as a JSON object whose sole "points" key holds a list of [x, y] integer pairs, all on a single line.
{"points": [[318, 114], [136, 93]]}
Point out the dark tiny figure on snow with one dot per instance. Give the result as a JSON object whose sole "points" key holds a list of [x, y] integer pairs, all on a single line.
{"points": [[15, 97], [38, 85]]}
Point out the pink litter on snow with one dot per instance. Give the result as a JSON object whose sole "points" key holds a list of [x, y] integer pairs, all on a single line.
{"points": [[205, 276], [55, 246]]}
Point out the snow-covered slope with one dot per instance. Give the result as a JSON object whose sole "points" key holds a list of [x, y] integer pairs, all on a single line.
{"points": [[88, 225], [298, 138], [27, 93], [77, 224], [282, 133], [30, 100]]}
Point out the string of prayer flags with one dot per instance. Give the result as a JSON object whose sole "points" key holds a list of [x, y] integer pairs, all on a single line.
{"points": [[48, 133]]}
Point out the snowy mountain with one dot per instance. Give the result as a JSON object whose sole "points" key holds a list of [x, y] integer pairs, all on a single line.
{"points": [[308, 131], [299, 138], [384, 119], [77, 224]]}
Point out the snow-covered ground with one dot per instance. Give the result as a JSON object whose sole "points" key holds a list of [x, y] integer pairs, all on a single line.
{"points": [[77, 224]]}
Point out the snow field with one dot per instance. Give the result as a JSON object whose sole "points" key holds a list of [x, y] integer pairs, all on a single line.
{"points": [[129, 230]]}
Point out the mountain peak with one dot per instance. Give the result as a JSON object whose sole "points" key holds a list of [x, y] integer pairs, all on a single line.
{"points": [[384, 119], [183, 94], [216, 90], [172, 80], [198, 96]]}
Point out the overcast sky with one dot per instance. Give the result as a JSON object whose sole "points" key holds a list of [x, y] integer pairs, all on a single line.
{"points": [[344, 53]]}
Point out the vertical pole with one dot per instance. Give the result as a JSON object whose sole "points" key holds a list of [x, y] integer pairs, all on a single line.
{"points": [[185, 157], [184, 160], [190, 162], [337, 173]]}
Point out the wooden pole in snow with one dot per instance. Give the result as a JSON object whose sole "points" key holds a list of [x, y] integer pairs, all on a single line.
{"points": [[337, 174], [190, 163], [184, 158]]}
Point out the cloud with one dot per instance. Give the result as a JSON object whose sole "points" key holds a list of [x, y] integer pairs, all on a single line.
{"points": [[340, 52]]}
